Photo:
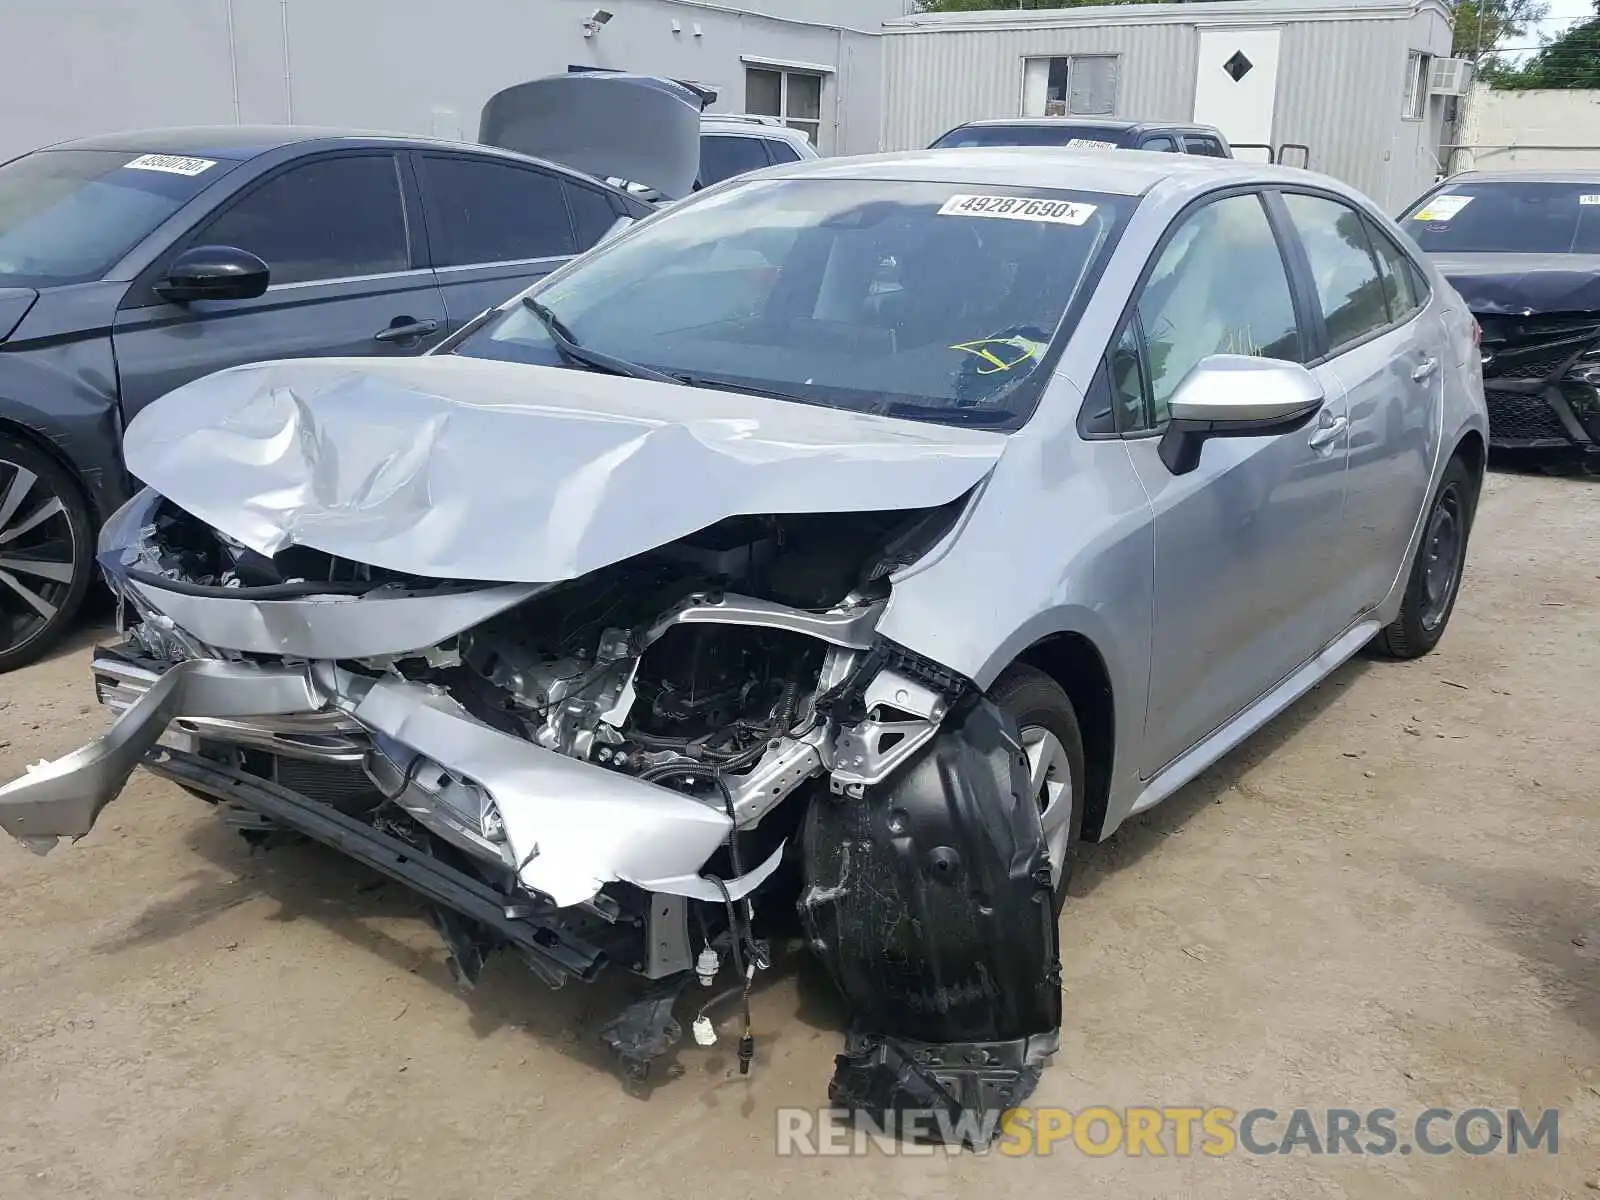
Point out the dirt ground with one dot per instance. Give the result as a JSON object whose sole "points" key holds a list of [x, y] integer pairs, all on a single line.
{"points": [[1391, 898]]}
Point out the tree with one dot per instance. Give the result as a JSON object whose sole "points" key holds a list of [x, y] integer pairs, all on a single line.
{"points": [[1571, 61], [1482, 25]]}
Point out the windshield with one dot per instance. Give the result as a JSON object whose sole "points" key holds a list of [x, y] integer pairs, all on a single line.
{"points": [[1508, 218], [923, 300], [67, 216], [1088, 137]]}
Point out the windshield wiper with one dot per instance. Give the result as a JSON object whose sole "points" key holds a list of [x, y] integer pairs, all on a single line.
{"points": [[747, 389], [569, 348], [948, 414]]}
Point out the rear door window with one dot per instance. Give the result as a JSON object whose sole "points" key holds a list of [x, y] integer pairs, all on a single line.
{"points": [[1343, 268], [331, 218], [781, 152], [480, 211], [1400, 276], [1199, 143], [722, 156], [592, 214]]}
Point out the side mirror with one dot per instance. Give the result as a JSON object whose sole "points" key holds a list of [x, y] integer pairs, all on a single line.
{"points": [[214, 273], [1236, 395]]}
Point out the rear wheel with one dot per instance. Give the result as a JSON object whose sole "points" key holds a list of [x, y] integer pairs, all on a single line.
{"points": [[1436, 571], [1053, 744], [46, 552]]}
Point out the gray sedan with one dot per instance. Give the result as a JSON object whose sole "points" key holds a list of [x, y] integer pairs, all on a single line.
{"points": [[827, 554]]}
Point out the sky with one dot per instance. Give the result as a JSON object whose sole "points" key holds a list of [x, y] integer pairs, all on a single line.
{"points": [[1563, 13]]}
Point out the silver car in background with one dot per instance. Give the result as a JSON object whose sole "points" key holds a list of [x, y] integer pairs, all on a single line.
{"points": [[824, 556]]}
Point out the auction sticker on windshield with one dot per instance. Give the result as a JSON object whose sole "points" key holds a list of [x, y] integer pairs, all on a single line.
{"points": [[1090, 144], [171, 164], [1441, 208], [1018, 208], [1589, 198]]}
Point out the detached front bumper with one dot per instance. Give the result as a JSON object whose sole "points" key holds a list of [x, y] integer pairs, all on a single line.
{"points": [[566, 827], [64, 797]]}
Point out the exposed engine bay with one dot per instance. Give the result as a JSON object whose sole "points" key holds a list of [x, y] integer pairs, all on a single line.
{"points": [[671, 765]]}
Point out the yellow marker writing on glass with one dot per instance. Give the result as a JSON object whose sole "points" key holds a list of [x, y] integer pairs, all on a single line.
{"points": [[1001, 354]]}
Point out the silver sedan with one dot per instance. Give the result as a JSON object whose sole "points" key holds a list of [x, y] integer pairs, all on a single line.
{"points": [[826, 555]]}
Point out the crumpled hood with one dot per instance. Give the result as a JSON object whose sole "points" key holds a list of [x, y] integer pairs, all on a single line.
{"points": [[1524, 284], [477, 470]]}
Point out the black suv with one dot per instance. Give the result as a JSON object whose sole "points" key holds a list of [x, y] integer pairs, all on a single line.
{"points": [[1089, 134]]}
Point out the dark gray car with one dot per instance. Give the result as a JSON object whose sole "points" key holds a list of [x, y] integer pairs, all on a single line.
{"points": [[136, 262]]}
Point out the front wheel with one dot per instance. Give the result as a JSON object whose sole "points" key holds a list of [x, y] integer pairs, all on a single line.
{"points": [[1053, 743], [1436, 571], [46, 552]]}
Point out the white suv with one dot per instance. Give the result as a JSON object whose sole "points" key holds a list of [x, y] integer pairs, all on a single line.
{"points": [[731, 144]]}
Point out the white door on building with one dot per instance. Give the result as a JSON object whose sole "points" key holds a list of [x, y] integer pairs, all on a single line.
{"points": [[1236, 85]]}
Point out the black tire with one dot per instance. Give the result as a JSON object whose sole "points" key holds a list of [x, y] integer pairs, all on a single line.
{"points": [[1425, 612], [1033, 700], [44, 522]]}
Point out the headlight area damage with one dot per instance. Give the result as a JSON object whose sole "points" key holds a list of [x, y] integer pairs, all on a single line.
{"points": [[658, 765]]}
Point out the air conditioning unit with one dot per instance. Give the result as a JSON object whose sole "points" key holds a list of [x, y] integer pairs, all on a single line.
{"points": [[1451, 77]]}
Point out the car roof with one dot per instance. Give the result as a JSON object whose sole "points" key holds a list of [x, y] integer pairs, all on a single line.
{"points": [[1081, 123], [1573, 175], [241, 143], [1118, 172], [735, 123]]}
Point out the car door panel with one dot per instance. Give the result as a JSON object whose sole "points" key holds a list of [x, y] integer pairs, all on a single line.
{"points": [[162, 346], [1391, 452], [1388, 359], [1243, 542], [1241, 573], [334, 233]]}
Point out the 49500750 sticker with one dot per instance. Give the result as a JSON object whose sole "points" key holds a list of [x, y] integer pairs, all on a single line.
{"points": [[170, 164], [1018, 208]]}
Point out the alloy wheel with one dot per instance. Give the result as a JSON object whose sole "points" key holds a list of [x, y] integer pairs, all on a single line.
{"points": [[1050, 780], [38, 550]]}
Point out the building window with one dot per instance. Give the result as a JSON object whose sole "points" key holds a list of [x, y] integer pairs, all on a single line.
{"points": [[1419, 70], [794, 97], [1081, 85]]}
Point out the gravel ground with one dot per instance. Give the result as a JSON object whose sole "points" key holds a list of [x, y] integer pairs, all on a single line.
{"points": [[1390, 898]]}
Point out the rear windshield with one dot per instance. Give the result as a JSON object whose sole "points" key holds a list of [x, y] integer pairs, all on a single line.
{"points": [[67, 216], [920, 300], [1508, 217], [1080, 136]]}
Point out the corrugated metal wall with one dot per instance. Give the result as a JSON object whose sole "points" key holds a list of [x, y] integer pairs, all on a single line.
{"points": [[935, 81], [1341, 86]]}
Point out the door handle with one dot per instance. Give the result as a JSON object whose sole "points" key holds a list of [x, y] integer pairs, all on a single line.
{"points": [[1427, 367], [406, 330], [1328, 434]]}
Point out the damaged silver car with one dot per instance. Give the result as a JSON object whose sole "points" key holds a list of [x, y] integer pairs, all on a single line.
{"points": [[822, 558]]}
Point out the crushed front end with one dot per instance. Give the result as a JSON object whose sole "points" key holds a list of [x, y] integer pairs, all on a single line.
{"points": [[1541, 380], [664, 765]]}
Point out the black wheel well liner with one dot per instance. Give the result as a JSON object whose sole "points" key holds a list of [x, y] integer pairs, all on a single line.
{"points": [[44, 445], [1075, 663], [1472, 450]]}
